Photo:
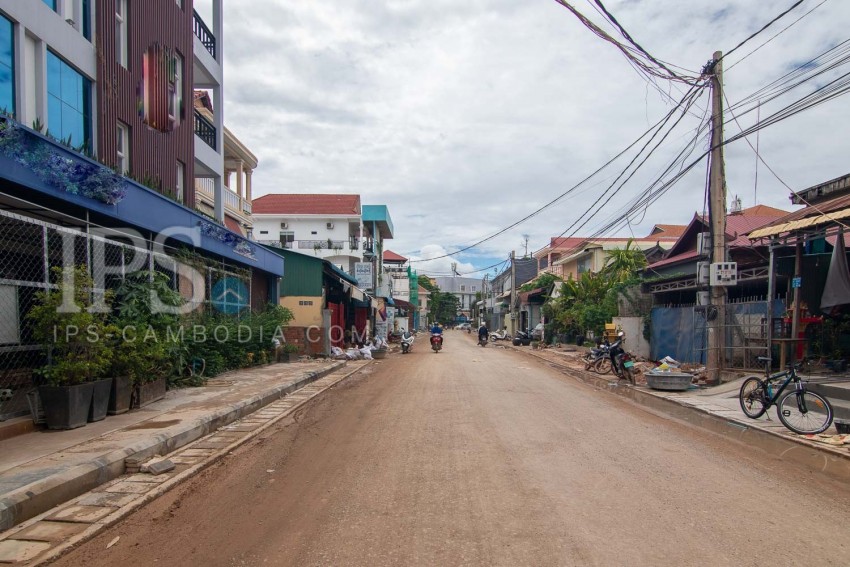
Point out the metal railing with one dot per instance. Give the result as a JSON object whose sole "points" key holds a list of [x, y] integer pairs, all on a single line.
{"points": [[30, 249], [204, 34], [205, 130]]}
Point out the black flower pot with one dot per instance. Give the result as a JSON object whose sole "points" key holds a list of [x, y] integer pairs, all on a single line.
{"points": [[100, 399], [150, 392], [120, 395], [66, 407]]}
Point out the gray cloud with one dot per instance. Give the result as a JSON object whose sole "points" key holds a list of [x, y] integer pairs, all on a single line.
{"points": [[463, 117]]}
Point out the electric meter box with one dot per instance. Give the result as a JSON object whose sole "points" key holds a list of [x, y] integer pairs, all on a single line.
{"points": [[724, 274]]}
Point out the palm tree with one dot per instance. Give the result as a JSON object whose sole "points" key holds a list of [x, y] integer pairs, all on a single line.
{"points": [[624, 264]]}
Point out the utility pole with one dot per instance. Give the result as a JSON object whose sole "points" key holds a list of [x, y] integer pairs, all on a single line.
{"points": [[513, 293], [716, 313]]}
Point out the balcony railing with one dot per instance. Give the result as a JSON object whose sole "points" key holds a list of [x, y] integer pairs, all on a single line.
{"points": [[205, 130], [204, 34], [343, 246], [232, 202]]}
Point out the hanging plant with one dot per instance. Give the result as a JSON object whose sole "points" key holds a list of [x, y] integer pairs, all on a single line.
{"points": [[76, 177]]}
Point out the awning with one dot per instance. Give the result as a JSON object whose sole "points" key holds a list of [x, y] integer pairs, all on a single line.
{"points": [[799, 224]]}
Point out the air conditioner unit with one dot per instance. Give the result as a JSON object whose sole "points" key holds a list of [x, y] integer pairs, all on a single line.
{"points": [[284, 225], [702, 273], [704, 243], [330, 225]]}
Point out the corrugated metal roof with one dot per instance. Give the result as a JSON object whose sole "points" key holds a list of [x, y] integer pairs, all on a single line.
{"points": [[807, 222]]}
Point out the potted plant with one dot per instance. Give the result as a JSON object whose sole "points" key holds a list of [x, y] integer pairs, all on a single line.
{"points": [[289, 352], [78, 354], [143, 316], [121, 371]]}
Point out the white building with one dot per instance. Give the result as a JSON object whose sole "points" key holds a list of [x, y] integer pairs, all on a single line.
{"points": [[464, 288]]}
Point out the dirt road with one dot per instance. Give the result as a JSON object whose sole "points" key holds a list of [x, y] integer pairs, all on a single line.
{"points": [[482, 456]]}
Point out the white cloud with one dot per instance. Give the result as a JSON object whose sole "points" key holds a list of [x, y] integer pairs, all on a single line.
{"points": [[432, 261], [463, 117]]}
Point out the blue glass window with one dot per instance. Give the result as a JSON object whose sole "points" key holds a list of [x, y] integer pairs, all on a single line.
{"points": [[68, 102], [87, 19], [7, 67], [51, 3]]}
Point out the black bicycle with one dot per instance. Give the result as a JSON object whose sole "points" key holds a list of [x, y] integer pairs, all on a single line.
{"points": [[799, 410]]}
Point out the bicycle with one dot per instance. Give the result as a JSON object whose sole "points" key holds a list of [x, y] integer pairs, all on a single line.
{"points": [[800, 410]]}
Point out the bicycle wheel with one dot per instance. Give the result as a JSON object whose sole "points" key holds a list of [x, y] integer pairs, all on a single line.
{"points": [[603, 365], [804, 412], [752, 398]]}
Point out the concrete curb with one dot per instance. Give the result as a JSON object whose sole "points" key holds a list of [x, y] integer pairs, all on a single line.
{"points": [[144, 499], [828, 460], [42, 495]]}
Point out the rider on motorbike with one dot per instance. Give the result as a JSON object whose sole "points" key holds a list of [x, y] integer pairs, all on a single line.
{"points": [[483, 333], [437, 331]]}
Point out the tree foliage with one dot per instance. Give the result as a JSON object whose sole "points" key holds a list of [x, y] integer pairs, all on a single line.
{"points": [[588, 302]]}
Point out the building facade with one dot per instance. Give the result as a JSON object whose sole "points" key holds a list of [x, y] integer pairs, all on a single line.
{"points": [[97, 150]]}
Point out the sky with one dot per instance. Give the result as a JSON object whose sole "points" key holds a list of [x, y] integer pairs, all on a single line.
{"points": [[465, 117]]}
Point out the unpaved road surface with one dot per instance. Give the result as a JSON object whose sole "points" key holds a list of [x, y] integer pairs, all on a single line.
{"points": [[484, 457]]}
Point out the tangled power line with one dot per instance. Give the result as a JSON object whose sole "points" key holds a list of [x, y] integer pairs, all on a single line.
{"points": [[822, 70]]}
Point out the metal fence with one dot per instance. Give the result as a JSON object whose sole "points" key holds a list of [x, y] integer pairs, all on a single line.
{"points": [[31, 251], [682, 332]]}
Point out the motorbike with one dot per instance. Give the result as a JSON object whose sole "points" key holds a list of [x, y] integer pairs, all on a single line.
{"points": [[624, 366], [598, 359], [406, 342], [500, 335], [522, 338], [482, 341], [436, 343]]}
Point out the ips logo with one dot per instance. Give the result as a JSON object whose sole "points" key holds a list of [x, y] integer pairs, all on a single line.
{"points": [[230, 295]]}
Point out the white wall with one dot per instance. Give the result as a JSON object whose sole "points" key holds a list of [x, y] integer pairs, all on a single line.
{"points": [[633, 327], [304, 228]]}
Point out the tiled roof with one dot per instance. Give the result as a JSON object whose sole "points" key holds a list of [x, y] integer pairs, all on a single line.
{"points": [[306, 204], [738, 225], [232, 224], [668, 230], [390, 256]]}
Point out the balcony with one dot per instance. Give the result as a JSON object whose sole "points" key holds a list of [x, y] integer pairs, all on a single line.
{"points": [[233, 203], [339, 247], [204, 34], [205, 130]]}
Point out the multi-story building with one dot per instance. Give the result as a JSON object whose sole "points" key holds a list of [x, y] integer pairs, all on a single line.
{"points": [[239, 166], [465, 289], [497, 308], [99, 149], [334, 227], [570, 257]]}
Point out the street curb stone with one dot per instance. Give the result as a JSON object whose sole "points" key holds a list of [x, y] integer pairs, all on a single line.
{"points": [[29, 501], [828, 460]]}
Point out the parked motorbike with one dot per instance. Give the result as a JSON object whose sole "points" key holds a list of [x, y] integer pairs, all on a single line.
{"points": [[522, 338], [500, 335], [436, 343], [598, 359], [406, 342], [624, 367]]}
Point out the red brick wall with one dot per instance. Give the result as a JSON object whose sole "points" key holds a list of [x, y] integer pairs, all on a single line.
{"points": [[298, 336]]}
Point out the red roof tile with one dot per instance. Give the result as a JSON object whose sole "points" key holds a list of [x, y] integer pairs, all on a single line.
{"points": [[390, 256], [232, 224], [668, 230], [306, 204]]}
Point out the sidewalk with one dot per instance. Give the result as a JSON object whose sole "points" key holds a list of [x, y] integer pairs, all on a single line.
{"points": [[42, 469], [716, 409]]}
